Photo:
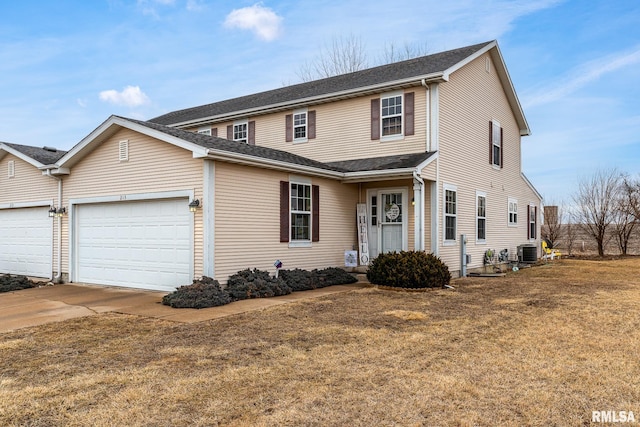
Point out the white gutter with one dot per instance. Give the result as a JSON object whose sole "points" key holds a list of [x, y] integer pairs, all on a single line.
{"points": [[58, 277]]}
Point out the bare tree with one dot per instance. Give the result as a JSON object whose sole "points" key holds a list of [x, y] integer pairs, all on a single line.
{"points": [[344, 55], [393, 53], [595, 203], [552, 229], [626, 209]]}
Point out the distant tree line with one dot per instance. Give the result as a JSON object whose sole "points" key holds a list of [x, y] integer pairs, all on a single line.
{"points": [[605, 209]]}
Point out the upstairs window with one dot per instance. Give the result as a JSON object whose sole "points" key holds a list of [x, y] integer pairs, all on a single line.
{"points": [[496, 155], [205, 131], [300, 126], [240, 132], [391, 115], [243, 131]]}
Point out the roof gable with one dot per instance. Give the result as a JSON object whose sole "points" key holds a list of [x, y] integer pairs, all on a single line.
{"points": [[36, 156]]}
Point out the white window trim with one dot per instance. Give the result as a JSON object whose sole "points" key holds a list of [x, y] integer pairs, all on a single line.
{"points": [[532, 220], [233, 131], [481, 241], [400, 135], [123, 150], [204, 130], [306, 126], [301, 243], [512, 224], [445, 188], [500, 145], [11, 168]]}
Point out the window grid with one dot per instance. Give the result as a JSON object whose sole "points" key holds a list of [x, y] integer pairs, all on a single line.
{"points": [[497, 143], [532, 222], [240, 132], [391, 115], [513, 212], [300, 212], [481, 216], [300, 125], [450, 215]]}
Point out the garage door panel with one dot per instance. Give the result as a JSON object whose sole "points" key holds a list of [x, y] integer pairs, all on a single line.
{"points": [[26, 241], [142, 244]]}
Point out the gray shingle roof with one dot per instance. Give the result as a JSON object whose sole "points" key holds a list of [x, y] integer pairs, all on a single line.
{"points": [[43, 155], [402, 161], [416, 67]]}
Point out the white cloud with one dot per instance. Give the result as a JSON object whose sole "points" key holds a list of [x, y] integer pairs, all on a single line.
{"points": [[81, 102], [130, 96], [264, 22]]}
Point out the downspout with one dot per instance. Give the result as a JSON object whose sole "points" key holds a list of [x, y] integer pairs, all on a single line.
{"points": [[418, 211], [58, 276]]}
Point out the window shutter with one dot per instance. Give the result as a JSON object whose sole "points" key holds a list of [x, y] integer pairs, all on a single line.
{"points": [[501, 150], [214, 132], [230, 132], [528, 222], [490, 142], [311, 117], [251, 137], [408, 114], [375, 118], [315, 213], [284, 211], [535, 220], [289, 127]]}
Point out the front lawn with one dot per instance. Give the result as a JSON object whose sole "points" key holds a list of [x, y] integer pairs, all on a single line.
{"points": [[543, 346]]}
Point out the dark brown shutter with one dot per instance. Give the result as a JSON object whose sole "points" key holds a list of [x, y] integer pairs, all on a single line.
{"points": [[312, 124], [284, 211], [408, 114], [251, 133], [490, 142], [288, 119], [315, 213], [230, 132], [214, 132], [501, 150], [375, 118]]}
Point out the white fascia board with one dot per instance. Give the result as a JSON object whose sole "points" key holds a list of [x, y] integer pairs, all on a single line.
{"points": [[334, 96], [20, 155], [197, 150], [243, 159], [379, 175], [427, 162]]}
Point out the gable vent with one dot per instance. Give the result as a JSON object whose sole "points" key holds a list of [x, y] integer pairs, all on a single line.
{"points": [[123, 151], [11, 167]]}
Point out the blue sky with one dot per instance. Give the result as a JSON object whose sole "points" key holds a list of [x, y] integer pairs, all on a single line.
{"points": [[65, 65]]}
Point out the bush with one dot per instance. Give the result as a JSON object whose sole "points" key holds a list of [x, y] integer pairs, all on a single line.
{"points": [[408, 269], [10, 283], [334, 276], [255, 284], [202, 293], [303, 280]]}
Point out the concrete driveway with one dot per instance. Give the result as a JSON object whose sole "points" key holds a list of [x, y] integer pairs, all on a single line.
{"points": [[37, 306]]}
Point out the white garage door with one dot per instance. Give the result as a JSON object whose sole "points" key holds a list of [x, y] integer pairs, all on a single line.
{"points": [[142, 244], [26, 241]]}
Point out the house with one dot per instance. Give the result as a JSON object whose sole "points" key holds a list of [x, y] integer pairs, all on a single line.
{"points": [[410, 155]]}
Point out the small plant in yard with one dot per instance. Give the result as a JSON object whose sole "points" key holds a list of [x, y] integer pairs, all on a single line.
{"points": [[408, 269], [10, 283], [202, 293], [255, 284]]}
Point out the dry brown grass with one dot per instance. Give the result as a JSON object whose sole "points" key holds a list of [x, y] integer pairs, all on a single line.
{"points": [[545, 346]]}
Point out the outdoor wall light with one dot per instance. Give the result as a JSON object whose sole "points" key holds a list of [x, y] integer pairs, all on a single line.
{"points": [[52, 212], [413, 201], [61, 211], [194, 205]]}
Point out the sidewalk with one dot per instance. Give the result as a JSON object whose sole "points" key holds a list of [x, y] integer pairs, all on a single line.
{"points": [[38, 306]]}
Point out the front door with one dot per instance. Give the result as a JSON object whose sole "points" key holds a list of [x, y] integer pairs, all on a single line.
{"points": [[387, 221]]}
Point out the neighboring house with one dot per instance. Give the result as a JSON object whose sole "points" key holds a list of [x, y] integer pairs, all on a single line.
{"points": [[429, 149]]}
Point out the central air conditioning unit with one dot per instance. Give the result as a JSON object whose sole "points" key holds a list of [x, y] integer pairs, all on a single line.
{"points": [[528, 253]]}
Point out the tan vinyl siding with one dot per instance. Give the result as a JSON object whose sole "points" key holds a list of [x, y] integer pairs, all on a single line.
{"points": [[468, 102], [247, 217], [343, 131], [153, 166], [27, 185]]}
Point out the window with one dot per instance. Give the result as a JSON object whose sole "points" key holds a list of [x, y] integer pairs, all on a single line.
{"points": [[11, 168], [123, 151], [481, 217], [532, 215], [299, 212], [300, 126], [513, 212], [391, 114], [374, 211], [240, 132], [495, 144], [450, 213], [205, 131]]}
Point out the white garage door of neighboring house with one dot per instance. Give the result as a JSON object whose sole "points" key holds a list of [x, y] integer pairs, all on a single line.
{"points": [[26, 241], [141, 244]]}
